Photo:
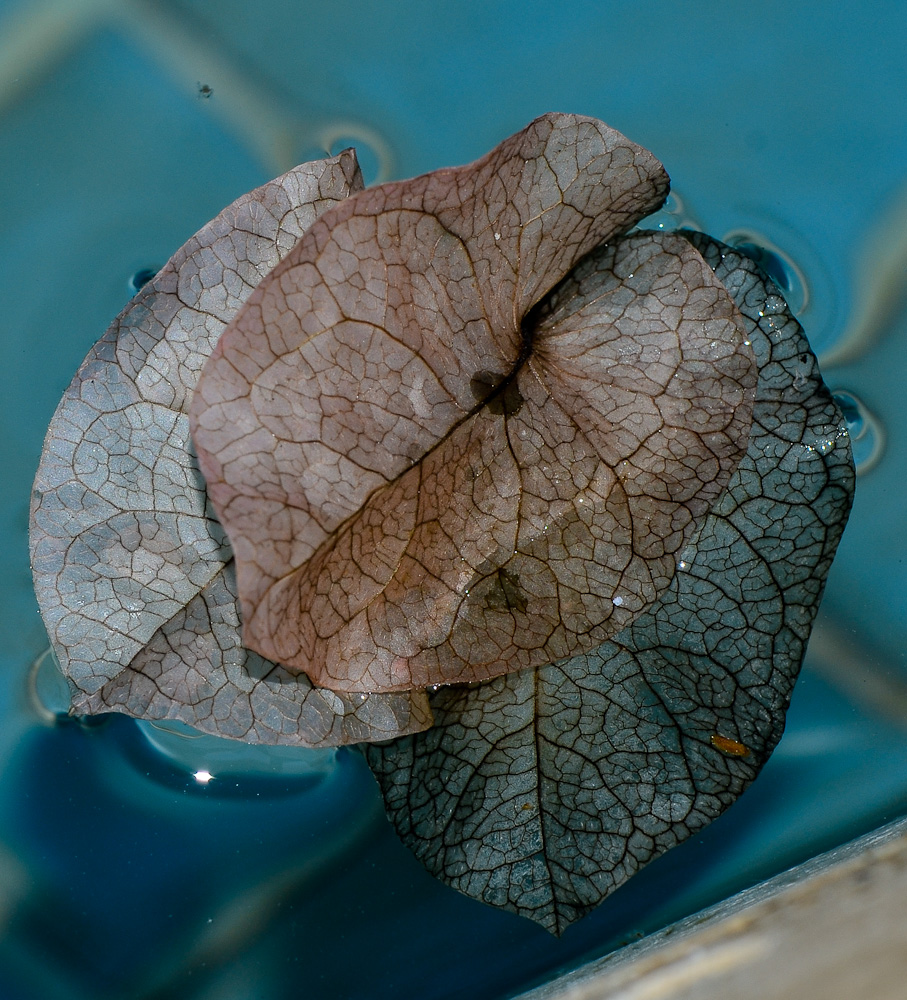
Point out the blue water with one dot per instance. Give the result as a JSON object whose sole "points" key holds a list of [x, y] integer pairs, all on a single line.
{"points": [[782, 125]]}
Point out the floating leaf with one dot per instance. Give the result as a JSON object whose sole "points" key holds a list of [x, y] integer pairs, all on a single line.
{"points": [[132, 571], [425, 481], [465, 429], [544, 790]]}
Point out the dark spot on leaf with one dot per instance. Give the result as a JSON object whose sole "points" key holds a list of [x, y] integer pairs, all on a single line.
{"points": [[501, 591], [499, 393], [483, 384]]}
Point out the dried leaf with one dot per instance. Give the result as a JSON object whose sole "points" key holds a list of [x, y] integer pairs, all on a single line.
{"points": [[132, 571], [450, 447], [425, 480], [543, 791]]}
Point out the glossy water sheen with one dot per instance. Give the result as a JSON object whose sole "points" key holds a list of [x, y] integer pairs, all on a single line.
{"points": [[124, 870]]}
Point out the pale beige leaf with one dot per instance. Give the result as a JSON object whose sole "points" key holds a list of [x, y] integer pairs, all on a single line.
{"points": [[129, 560]]}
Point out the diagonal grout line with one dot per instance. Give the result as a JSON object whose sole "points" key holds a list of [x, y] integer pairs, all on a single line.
{"points": [[256, 115], [880, 284], [260, 117], [38, 36], [864, 676], [35, 39]]}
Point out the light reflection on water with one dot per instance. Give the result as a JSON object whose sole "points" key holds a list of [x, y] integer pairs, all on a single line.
{"points": [[199, 753]]}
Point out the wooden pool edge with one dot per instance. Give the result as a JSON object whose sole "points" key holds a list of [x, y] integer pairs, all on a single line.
{"points": [[832, 927]]}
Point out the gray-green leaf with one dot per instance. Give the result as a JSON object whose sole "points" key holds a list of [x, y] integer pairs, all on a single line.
{"points": [[544, 790]]}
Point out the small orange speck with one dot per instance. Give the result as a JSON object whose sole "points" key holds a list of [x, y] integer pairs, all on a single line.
{"points": [[731, 747]]}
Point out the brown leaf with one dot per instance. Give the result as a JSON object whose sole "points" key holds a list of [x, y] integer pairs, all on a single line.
{"points": [[132, 570], [427, 481]]}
